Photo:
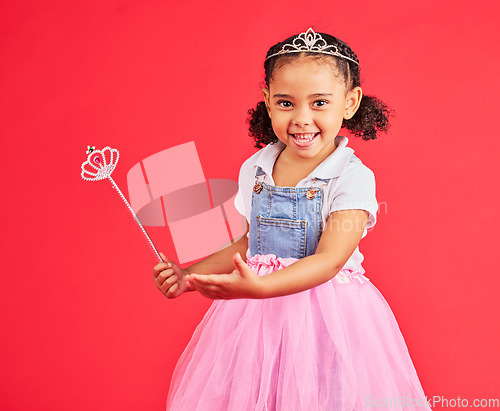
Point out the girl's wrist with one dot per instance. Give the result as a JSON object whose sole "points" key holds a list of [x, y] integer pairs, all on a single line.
{"points": [[261, 290], [185, 272]]}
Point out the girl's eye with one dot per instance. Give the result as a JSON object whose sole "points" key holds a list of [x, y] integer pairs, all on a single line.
{"points": [[284, 103], [320, 103]]}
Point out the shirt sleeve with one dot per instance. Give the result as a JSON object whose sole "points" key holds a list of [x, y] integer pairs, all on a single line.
{"points": [[243, 199], [238, 202], [356, 190]]}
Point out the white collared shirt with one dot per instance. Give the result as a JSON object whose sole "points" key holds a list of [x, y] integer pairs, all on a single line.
{"points": [[352, 184]]}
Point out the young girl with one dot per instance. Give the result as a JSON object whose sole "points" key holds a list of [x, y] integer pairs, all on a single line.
{"points": [[296, 325]]}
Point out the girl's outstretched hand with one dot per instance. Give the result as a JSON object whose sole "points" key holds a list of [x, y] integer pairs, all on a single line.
{"points": [[241, 283], [170, 279]]}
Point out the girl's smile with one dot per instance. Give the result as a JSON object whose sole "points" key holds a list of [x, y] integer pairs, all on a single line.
{"points": [[307, 104], [304, 139]]}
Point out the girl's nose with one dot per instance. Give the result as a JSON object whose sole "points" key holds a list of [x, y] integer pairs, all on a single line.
{"points": [[302, 117]]}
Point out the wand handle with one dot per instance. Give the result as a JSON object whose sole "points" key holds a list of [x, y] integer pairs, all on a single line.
{"points": [[153, 248]]}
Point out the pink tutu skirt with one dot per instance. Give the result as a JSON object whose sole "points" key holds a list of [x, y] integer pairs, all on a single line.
{"points": [[335, 347]]}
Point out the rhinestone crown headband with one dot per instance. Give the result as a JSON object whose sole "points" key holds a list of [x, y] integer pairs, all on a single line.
{"points": [[310, 42]]}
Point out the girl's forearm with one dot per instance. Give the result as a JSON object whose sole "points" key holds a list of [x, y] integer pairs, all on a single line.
{"points": [[302, 275], [221, 262]]}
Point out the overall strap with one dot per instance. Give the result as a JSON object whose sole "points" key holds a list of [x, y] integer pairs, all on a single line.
{"points": [[259, 172]]}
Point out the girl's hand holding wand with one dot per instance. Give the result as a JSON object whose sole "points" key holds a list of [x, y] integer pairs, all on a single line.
{"points": [[241, 283], [170, 279]]}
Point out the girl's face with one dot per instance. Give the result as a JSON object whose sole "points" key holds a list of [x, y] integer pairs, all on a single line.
{"points": [[307, 104]]}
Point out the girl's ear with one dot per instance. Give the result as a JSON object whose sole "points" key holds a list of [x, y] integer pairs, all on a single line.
{"points": [[352, 102], [267, 100]]}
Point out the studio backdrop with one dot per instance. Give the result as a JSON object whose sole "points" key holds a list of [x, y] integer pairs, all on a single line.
{"points": [[83, 325]]}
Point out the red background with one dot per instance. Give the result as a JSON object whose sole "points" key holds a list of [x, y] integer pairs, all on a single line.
{"points": [[83, 326]]}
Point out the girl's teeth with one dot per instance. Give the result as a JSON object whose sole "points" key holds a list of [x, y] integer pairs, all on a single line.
{"points": [[304, 137]]}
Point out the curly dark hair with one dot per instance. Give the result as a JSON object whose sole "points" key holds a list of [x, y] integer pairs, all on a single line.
{"points": [[371, 116]]}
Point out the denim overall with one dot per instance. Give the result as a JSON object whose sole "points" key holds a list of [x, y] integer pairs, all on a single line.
{"points": [[284, 222]]}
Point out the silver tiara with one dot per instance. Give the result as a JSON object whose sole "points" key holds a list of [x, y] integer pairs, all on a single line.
{"points": [[310, 42]]}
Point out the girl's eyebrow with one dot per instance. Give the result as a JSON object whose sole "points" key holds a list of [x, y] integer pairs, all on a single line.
{"points": [[312, 95], [321, 95]]}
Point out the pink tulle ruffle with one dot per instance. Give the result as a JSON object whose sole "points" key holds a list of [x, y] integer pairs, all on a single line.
{"points": [[335, 347]]}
